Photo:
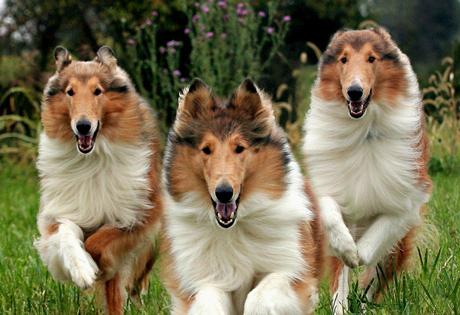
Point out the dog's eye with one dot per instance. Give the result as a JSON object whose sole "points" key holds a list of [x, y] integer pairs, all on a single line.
{"points": [[206, 150], [97, 91], [343, 60], [70, 92], [371, 59], [239, 149]]}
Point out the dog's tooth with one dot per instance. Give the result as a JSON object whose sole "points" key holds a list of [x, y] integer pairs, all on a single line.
{"points": [[232, 215], [219, 216]]}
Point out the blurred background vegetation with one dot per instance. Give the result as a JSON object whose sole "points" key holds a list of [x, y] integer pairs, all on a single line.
{"points": [[162, 44]]}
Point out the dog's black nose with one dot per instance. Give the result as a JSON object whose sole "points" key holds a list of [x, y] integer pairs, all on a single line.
{"points": [[224, 193], [355, 92], [83, 127]]}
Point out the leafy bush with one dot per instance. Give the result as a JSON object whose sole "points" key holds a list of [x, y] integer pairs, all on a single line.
{"points": [[19, 123], [441, 104], [228, 42]]}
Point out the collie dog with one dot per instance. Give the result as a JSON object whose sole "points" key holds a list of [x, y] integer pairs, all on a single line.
{"points": [[241, 232], [99, 171], [366, 152]]}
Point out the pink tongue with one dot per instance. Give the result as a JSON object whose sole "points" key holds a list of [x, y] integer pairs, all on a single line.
{"points": [[85, 141], [226, 209]]}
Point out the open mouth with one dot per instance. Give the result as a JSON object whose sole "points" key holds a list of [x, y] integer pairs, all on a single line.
{"points": [[85, 144], [226, 212], [357, 109]]}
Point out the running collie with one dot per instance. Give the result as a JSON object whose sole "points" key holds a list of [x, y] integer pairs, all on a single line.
{"points": [[366, 152], [241, 234], [99, 171]]}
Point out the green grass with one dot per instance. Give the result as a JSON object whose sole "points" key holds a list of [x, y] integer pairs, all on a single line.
{"points": [[27, 288]]}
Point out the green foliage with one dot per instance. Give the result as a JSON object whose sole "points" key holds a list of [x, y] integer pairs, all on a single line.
{"points": [[441, 104], [231, 41], [19, 123], [222, 54]]}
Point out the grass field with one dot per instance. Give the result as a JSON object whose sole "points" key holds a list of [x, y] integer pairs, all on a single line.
{"points": [[27, 288]]}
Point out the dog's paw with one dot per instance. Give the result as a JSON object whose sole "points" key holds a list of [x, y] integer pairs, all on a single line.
{"points": [[82, 269], [344, 247], [365, 254], [270, 301]]}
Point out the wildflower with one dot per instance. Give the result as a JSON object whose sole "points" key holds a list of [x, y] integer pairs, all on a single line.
{"points": [[270, 30], [195, 18], [262, 14], [172, 43], [286, 18], [187, 31], [131, 42], [162, 50], [209, 34], [154, 13], [148, 22], [205, 9], [176, 73], [222, 4]]}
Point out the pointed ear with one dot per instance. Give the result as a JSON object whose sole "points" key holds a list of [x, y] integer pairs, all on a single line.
{"points": [[62, 58], [247, 98], [195, 99], [382, 32], [106, 56]]}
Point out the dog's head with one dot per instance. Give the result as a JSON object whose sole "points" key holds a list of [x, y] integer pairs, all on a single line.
{"points": [[220, 148], [81, 97], [358, 66]]}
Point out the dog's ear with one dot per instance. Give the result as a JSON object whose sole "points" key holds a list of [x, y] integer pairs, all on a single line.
{"points": [[253, 106], [106, 56], [62, 58], [382, 32], [247, 98], [195, 99]]}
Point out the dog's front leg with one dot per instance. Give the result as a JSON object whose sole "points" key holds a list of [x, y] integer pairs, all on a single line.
{"points": [[211, 300], [273, 295], [61, 249], [340, 240], [382, 235], [110, 245]]}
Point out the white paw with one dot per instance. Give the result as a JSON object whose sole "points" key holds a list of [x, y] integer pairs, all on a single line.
{"points": [[211, 301], [270, 301], [366, 254], [344, 247], [82, 268]]}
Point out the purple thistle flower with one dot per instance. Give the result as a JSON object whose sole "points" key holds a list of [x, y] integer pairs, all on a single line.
{"points": [[154, 13], [205, 9], [286, 18], [131, 42], [162, 50], [173, 43], [183, 79], [240, 5], [222, 4], [195, 18], [262, 14], [176, 73], [187, 31], [270, 30], [148, 22], [209, 34]]}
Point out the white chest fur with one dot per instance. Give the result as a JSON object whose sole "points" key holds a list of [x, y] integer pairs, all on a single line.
{"points": [[109, 186], [369, 165], [264, 239]]}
